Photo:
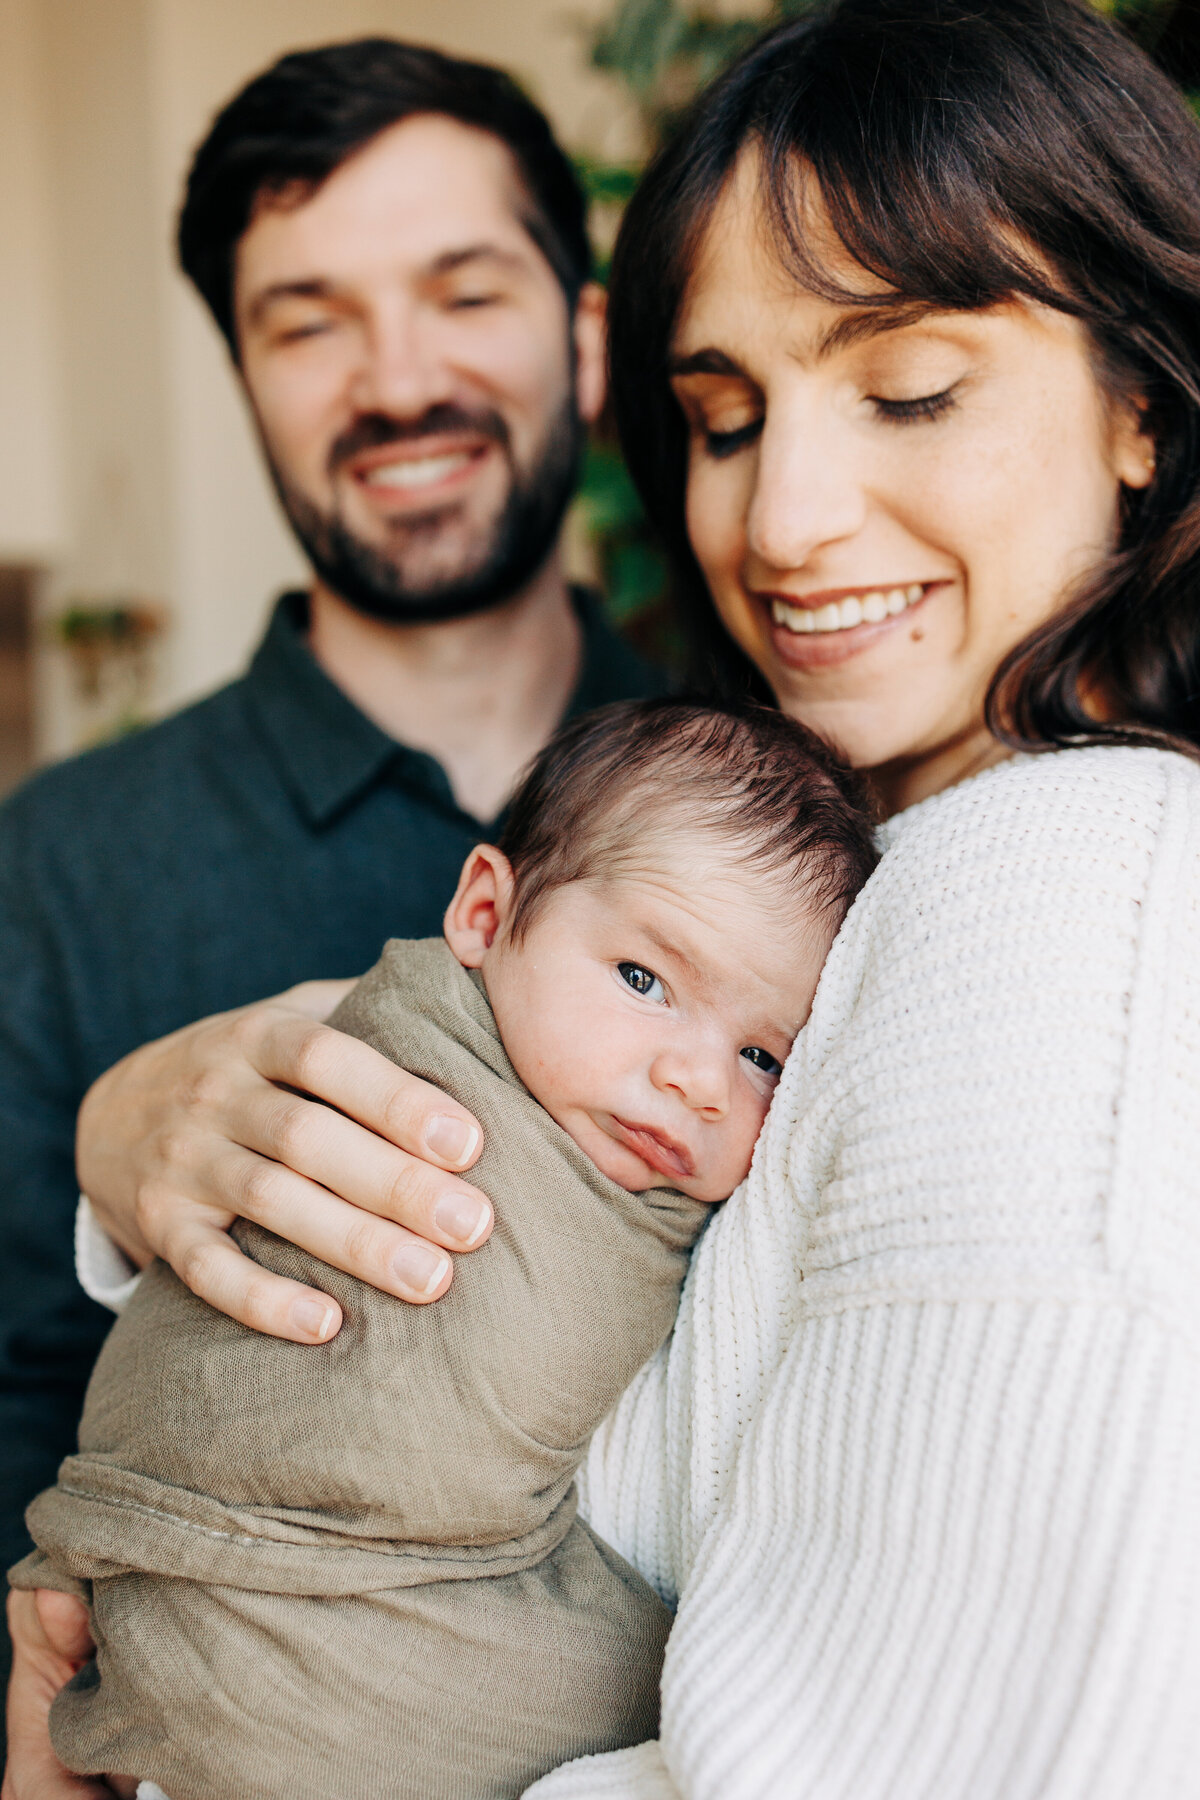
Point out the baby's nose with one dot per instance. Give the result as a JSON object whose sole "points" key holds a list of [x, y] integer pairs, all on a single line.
{"points": [[699, 1076]]}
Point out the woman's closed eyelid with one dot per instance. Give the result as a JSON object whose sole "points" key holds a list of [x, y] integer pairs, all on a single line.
{"points": [[918, 406]]}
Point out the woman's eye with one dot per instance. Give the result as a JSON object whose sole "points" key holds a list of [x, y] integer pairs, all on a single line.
{"points": [[719, 444], [463, 302], [925, 406], [643, 981], [763, 1060]]}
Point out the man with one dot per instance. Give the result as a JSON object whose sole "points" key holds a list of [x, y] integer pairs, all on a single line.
{"points": [[394, 248]]}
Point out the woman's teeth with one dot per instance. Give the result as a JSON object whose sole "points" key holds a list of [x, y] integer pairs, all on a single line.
{"points": [[419, 471], [843, 615]]}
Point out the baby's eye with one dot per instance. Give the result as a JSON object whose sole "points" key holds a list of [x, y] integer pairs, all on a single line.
{"points": [[642, 981], [763, 1060]]}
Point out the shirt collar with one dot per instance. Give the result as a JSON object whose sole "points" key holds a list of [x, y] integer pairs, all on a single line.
{"points": [[329, 754]]}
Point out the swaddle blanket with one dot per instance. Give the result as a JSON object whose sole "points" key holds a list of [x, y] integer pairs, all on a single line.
{"points": [[355, 1569]]}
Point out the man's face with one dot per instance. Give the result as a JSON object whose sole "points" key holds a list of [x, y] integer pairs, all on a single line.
{"points": [[417, 381]]}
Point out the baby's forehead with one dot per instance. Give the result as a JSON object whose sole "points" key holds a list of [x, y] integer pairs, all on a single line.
{"points": [[731, 923]]}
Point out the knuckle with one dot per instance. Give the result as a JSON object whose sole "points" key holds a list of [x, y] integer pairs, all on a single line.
{"points": [[175, 1148], [204, 1090], [410, 1189], [309, 1057], [289, 1128], [399, 1110], [244, 1029], [364, 1243], [195, 1264], [259, 1190], [257, 1305]]}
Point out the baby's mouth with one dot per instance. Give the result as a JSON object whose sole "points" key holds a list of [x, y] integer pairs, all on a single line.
{"points": [[660, 1152]]}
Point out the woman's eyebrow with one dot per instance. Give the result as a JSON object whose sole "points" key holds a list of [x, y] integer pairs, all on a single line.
{"points": [[860, 323], [852, 327], [703, 362]]}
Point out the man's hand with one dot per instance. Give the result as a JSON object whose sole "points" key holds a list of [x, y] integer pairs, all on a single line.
{"points": [[50, 1641], [223, 1120]]}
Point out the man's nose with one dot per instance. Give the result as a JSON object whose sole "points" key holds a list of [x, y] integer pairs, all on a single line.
{"points": [[402, 372], [810, 488], [698, 1074]]}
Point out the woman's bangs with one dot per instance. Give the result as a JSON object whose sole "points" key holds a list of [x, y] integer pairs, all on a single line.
{"points": [[946, 243]]}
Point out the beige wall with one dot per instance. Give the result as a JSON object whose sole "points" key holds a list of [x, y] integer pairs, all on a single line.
{"points": [[127, 461]]}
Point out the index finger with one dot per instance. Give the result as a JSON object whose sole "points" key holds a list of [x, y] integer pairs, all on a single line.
{"points": [[345, 1073]]}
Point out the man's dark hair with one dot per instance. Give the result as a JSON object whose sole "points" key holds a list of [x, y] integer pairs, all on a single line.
{"points": [[287, 131], [594, 800]]}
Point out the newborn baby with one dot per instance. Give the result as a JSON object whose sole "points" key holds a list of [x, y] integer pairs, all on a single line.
{"points": [[355, 1570]]}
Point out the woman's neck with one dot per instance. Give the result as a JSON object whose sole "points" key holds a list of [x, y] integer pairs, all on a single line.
{"points": [[900, 784]]}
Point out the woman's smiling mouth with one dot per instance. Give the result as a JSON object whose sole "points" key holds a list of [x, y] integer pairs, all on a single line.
{"points": [[829, 626]]}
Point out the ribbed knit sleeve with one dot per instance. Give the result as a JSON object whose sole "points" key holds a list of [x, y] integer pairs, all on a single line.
{"points": [[927, 1476]]}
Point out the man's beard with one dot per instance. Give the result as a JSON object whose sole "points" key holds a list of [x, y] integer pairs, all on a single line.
{"points": [[506, 552]]}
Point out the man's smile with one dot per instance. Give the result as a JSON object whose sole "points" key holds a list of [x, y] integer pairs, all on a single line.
{"points": [[430, 468]]}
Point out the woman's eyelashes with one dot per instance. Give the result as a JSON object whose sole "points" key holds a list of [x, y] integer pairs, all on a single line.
{"points": [[643, 981], [923, 406], [719, 444]]}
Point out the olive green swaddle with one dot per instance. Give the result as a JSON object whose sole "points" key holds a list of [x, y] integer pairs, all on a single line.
{"points": [[354, 1570]]}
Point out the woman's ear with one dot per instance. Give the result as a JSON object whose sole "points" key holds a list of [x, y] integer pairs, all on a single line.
{"points": [[590, 333], [1134, 457], [481, 905]]}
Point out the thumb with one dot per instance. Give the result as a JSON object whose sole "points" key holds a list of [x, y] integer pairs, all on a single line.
{"points": [[64, 1619]]}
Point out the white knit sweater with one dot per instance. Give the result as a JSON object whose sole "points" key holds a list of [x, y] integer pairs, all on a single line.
{"points": [[921, 1462]]}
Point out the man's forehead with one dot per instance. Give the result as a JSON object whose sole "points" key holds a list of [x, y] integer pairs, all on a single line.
{"points": [[423, 190]]}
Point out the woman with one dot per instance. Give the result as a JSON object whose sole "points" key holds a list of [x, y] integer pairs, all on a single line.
{"points": [[907, 357]]}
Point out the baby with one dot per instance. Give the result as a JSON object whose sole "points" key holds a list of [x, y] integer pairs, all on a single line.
{"points": [[356, 1570]]}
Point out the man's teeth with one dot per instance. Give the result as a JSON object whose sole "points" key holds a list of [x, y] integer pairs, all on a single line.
{"points": [[419, 471], [842, 615]]}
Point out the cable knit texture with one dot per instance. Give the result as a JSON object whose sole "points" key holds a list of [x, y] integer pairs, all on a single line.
{"points": [[921, 1462]]}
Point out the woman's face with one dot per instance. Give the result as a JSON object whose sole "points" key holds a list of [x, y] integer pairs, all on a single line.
{"points": [[885, 502]]}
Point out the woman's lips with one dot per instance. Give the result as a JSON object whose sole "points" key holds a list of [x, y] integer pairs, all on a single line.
{"points": [[655, 1148], [835, 624]]}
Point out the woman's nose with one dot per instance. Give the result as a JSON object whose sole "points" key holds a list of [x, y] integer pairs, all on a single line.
{"points": [[809, 490]]}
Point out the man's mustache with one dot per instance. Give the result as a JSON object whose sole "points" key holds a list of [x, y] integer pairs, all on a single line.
{"points": [[373, 430]]}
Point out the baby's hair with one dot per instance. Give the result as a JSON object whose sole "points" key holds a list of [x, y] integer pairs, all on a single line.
{"points": [[610, 783]]}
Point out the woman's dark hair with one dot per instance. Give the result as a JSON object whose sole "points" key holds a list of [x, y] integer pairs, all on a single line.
{"points": [[288, 130], [967, 152]]}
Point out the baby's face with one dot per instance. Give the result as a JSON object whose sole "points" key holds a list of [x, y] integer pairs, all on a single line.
{"points": [[650, 1014]]}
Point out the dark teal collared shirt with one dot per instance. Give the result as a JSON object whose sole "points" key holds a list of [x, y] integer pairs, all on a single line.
{"points": [[266, 835]]}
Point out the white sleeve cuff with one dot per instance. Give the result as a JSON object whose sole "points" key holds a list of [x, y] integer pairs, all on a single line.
{"points": [[104, 1272]]}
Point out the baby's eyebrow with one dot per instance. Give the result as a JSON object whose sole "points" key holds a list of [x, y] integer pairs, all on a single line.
{"points": [[679, 957]]}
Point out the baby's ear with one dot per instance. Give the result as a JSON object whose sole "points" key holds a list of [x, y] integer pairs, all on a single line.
{"points": [[481, 905]]}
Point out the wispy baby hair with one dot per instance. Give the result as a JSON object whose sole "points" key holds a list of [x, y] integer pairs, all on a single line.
{"points": [[610, 783]]}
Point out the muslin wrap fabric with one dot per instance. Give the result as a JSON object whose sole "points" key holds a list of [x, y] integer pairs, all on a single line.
{"points": [[355, 1569]]}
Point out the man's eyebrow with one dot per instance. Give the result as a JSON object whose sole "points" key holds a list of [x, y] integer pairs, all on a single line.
{"points": [[315, 288], [450, 260], [319, 287], [851, 328]]}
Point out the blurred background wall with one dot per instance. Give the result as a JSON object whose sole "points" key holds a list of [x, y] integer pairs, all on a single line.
{"points": [[127, 469]]}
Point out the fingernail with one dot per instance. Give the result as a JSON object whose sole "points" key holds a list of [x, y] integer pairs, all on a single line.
{"points": [[419, 1267], [451, 1139], [461, 1218], [313, 1318]]}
